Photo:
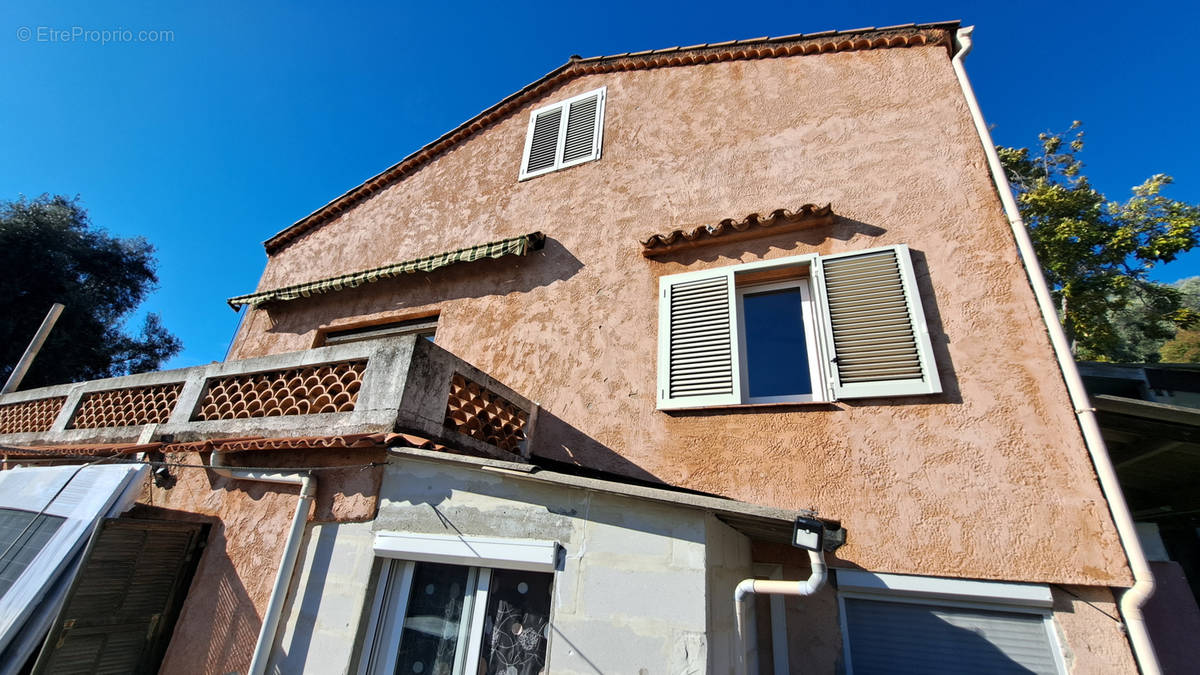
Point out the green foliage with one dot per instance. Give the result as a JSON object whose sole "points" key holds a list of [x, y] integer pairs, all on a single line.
{"points": [[1185, 346], [49, 252], [1097, 254]]}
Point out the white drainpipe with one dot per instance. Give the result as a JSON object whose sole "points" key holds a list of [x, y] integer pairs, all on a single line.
{"points": [[283, 578], [747, 625], [1143, 587]]}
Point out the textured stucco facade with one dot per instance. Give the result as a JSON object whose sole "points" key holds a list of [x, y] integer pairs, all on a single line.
{"points": [[992, 474]]}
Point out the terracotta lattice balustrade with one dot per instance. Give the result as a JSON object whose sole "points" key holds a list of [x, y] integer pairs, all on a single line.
{"points": [[329, 388], [126, 407], [37, 415], [484, 415]]}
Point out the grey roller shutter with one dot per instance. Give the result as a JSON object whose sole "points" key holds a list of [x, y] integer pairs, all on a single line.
{"points": [[697, 345], [901, 637], [875, 327], [124, 601]]}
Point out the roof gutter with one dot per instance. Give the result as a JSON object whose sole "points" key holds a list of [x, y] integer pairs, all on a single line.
{"points": [[1132, 600]]}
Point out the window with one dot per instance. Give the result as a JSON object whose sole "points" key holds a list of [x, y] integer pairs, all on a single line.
{"points": [[23, 535], [794, 330], [564, 134], [435, 615], [426, 328], [896, 623], [446, 619]]}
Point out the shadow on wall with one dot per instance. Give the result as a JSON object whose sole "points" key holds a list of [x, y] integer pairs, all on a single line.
{"points": [[795, 243], [218, 627], [347, 485], [563, 444], [951, 393], [293, 657], [482, 278]]}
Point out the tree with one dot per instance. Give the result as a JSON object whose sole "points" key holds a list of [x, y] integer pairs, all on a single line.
{"points": [[49, 252], [1097, 254], [1185, 346]]}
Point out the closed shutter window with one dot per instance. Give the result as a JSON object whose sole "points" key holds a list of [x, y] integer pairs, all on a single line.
{"points": [[875, 328], [564, 134], [904, 637]]}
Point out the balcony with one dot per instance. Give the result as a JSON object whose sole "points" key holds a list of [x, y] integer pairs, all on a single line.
{"points": [[378, 386]]}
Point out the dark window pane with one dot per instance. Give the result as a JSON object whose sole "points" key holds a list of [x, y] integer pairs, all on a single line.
{"points": [[432, 621], [22, 536], [517, 623], [776, 356]]}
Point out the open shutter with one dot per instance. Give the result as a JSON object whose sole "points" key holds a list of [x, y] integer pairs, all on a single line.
{"points": [[875, 329], [697, 349], [122, 606], [582, 139]]}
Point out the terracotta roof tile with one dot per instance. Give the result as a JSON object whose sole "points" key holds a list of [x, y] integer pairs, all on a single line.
{"points": [[756, 48], [729, 230]]}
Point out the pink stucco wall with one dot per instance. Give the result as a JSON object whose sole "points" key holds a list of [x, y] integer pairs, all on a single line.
{"points": [[988, 480]]}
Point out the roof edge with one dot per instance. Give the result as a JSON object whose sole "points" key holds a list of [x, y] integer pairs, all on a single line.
{"points": [[859, 39]]}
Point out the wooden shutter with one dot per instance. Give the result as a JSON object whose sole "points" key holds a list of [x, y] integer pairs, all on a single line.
{"points": [[697, 347], [124, 601], [898, 637], [875, 331]]}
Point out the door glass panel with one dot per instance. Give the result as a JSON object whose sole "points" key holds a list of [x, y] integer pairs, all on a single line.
{"points": [[432, 622], [517, 623], [776, 355]]}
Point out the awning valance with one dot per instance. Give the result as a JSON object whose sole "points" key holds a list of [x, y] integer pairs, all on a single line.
{"points": [[494, 249]]}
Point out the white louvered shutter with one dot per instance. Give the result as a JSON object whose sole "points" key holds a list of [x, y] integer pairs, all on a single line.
{"points": [[541, 152], [697, 348], [581, 141], [564, 134], [875, 331]]}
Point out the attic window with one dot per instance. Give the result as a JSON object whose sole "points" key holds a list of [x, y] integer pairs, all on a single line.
{"points": [[564, 134]]}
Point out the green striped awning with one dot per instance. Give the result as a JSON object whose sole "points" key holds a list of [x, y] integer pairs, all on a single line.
{"points": [[494, 249]]}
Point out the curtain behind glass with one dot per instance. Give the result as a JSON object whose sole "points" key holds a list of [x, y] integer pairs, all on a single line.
{"points": [[517, 623]]}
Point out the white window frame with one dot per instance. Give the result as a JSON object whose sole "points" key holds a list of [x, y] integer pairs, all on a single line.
{"points": [[998, 596], [398, 554], [812, 340], [812, 314], [597, 137], [820, 343]]}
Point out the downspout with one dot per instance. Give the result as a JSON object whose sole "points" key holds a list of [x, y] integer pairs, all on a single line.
{"points": [[1143, 587], [291, 549], [747, 625]]}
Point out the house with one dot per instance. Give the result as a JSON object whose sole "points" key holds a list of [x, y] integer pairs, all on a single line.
{"points": [[544, 395]]}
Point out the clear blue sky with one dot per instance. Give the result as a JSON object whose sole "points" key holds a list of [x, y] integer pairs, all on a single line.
{"points": [[255, 114]]}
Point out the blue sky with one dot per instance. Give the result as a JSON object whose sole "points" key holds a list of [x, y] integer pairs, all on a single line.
{"points": [[251, 116]]}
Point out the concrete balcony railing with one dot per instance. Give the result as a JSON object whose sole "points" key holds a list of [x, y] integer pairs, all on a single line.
{"points": [[397, 384]]}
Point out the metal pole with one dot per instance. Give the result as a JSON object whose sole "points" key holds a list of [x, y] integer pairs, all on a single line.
{"points": [[18, 372]]}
